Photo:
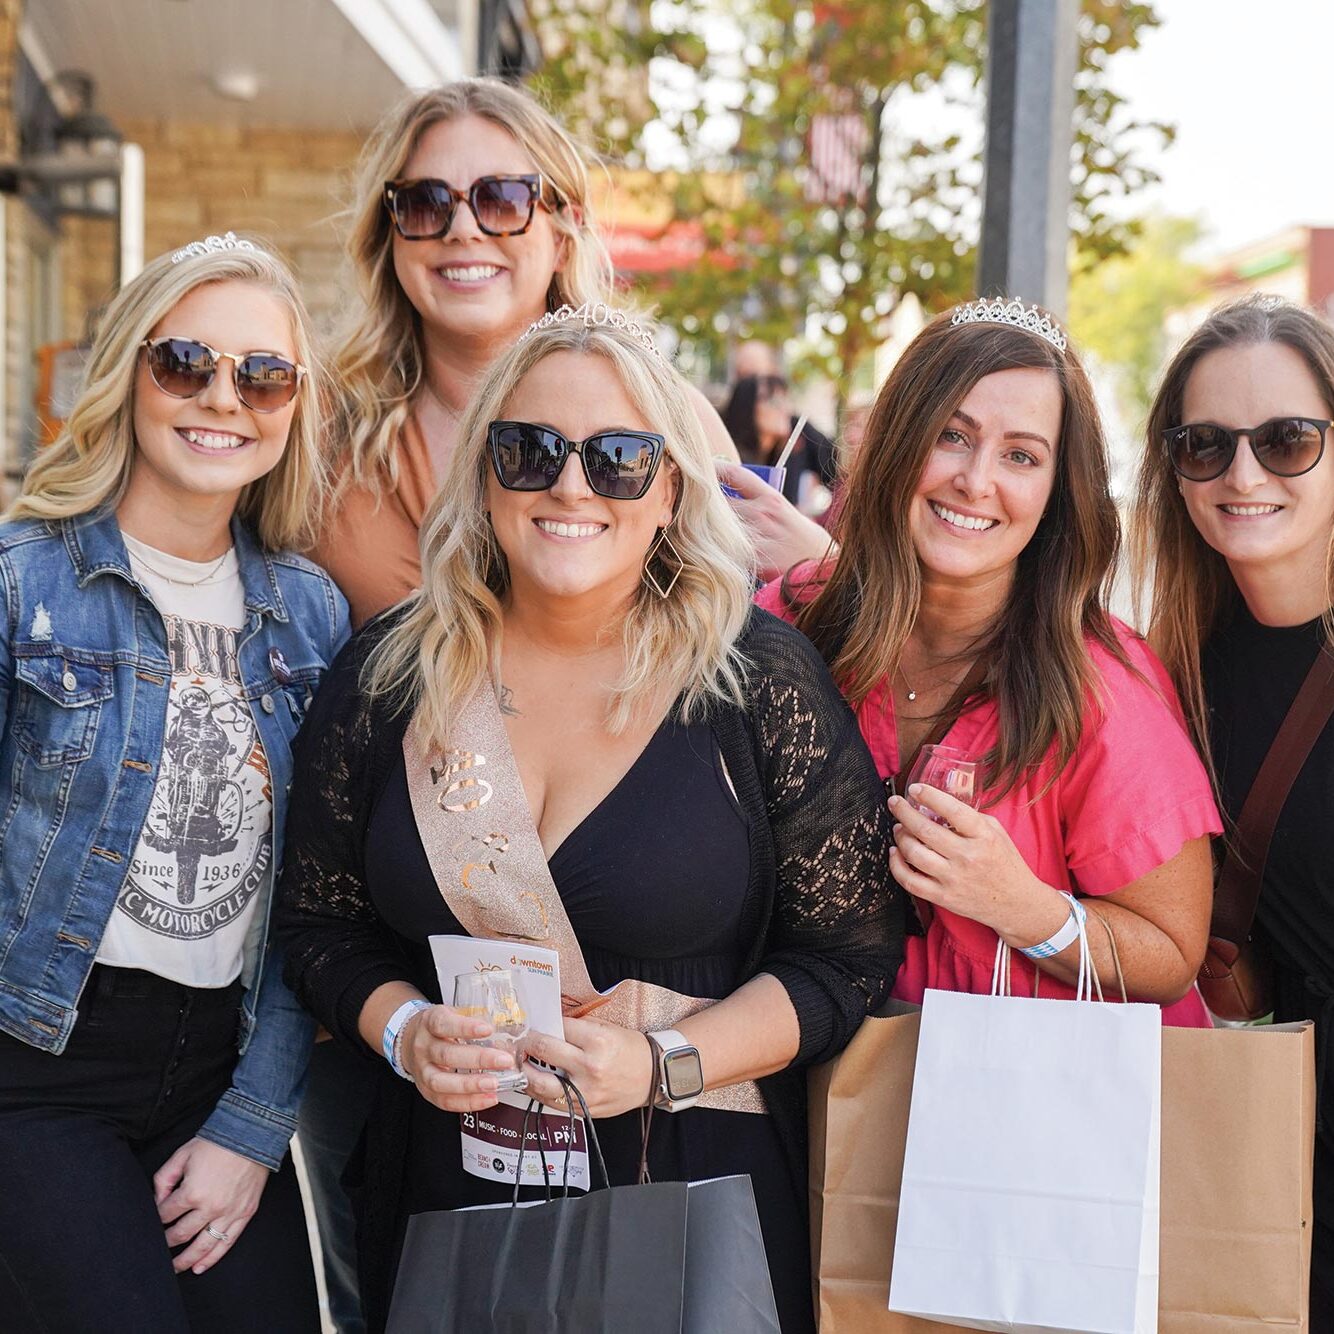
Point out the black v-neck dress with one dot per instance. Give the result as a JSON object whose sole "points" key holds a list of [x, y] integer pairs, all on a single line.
{"points": [[648, 902]]}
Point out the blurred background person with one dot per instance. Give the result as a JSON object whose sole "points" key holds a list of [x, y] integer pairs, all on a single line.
{"points": [[760, 420]]}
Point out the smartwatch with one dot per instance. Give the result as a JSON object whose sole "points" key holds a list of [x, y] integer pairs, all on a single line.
{"points": [[680, 1076]]}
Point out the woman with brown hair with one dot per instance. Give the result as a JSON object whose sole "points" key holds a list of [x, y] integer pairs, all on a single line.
{"points": [[1234, 536], [966, 606]]}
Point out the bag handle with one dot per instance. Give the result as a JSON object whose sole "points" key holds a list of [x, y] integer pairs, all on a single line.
{"points": [[573, 1098], [1087, 982], [1238, 893]]}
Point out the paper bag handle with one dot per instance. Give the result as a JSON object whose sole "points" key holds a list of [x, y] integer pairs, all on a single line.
{"points": [[1087, 983]]}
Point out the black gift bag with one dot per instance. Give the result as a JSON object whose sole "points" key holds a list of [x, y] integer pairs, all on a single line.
{"points": [[659, 1258]]}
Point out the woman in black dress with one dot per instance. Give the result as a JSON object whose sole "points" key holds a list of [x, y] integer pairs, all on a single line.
{"points": [[1235, 519], [709, 815]]}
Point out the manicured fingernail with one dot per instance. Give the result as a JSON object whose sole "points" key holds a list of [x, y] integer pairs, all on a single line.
{"points": [[915, 790], [481, 1029]]}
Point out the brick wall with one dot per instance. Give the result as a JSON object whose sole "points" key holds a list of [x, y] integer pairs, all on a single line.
{"points": [[285, 185]]}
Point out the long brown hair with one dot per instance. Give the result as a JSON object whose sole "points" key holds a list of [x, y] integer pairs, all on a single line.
{"points": [[1189, 585], [866, 601], [378, 358]]}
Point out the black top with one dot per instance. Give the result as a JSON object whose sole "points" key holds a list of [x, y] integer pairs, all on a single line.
{"points": [[1252, 673], [809, 900]]}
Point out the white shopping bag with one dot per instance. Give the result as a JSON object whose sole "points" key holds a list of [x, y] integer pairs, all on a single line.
{"points": [[1030, 1179]]}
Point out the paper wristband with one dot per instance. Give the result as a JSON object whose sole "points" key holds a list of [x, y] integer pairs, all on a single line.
{"points": [[389, 1039], [1066, 935]]}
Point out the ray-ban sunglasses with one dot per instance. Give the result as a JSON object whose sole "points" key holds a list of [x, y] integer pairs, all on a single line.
{"points": [[619, 465], [424, 210], [1284, 446], [185, 367]]}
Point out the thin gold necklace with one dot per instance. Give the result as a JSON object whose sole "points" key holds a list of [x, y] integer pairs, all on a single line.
{"points": [[209, 574]]}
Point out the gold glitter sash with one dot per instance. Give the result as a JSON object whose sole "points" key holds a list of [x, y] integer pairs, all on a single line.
{"points": [[490, 868]]}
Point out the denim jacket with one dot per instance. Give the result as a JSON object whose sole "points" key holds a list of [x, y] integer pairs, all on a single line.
{"points": [[84, 680]]}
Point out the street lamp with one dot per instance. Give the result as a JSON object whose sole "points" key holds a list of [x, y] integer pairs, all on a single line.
{"points": [[85, 168]]}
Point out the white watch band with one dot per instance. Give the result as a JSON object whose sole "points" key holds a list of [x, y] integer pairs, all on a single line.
{"points": [[1065, 936], [664, 1042]]}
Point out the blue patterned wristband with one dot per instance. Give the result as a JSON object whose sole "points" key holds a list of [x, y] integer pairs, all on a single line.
{"points": [[389, 1039], [1067, 934]]}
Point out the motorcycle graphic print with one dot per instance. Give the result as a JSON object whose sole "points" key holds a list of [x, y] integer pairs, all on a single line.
{"points": [[206, 844]]}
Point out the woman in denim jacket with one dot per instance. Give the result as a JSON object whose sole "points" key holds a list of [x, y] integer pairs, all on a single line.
{"points": [[158, 649]]}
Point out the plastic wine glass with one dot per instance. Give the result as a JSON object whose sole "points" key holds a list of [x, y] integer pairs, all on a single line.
{"points": [[948, 769], [493, 996]]}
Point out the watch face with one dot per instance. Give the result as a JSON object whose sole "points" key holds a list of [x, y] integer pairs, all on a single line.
{"points": [[683, 1074]]}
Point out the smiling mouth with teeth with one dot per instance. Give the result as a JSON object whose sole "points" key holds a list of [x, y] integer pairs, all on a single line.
{"points": [[1250, 511], [468, 273], [968, 522], [570, 529], [219, 440]]}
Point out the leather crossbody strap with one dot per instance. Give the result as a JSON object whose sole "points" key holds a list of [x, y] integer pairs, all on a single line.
{"points": [[1239, 881]]}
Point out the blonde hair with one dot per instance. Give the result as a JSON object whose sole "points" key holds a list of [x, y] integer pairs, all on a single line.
{"points": [[88, 465], [1189, 587], [447, 642], [378, 360]]}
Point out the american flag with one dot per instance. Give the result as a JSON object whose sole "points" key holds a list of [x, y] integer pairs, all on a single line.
{"points": [[836, 146]]}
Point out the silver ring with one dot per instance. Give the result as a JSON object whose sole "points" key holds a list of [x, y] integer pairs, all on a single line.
{"points": [[215, 1233]]}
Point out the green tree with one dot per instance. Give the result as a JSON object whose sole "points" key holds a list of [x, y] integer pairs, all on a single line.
{"points": [[784, 255], [1118, 308]]}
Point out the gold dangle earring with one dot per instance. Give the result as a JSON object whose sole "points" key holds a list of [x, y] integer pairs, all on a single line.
{"points": [[671, 560]]}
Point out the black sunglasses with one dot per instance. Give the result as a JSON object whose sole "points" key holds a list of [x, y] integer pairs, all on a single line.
{"points": [[503, 205], [619, 465], [1284, 446], [184, 367]]}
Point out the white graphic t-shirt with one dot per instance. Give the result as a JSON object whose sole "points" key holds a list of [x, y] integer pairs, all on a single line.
{"points": [[206, 847]]}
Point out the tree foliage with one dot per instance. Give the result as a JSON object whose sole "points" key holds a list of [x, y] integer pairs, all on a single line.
{"points": [[1118, 309], [736, 88]]}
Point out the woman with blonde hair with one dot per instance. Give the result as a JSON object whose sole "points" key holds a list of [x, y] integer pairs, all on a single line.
{"points": [[697, 820], [472, 218], [161, 645], [1234, 539], [966, 608]]}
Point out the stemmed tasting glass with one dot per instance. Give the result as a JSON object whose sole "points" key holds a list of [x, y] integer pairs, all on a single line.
{"points": [[948, 769], [492, 995]]}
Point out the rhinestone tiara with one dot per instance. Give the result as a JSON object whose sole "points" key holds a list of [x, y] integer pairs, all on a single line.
{"points": [[1013, 312], [211, 244], [594, 315]]}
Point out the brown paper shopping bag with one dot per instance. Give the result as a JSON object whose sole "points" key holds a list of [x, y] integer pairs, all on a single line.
{"points": [[1238, 1118], [1238, 1138]]}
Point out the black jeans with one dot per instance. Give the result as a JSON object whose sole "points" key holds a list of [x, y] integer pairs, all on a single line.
{"points": [[81, 1134]]}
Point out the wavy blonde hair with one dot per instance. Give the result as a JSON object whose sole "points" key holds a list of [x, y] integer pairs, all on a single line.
{"points": [[447, 641], [88, 465], [378, 359], [1189, 588]]}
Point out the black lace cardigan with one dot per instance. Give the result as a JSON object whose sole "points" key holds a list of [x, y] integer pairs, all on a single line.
{"points": [[821, 912]]}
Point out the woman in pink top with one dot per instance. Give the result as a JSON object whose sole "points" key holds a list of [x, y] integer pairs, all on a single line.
{"points": [[977, 540]]}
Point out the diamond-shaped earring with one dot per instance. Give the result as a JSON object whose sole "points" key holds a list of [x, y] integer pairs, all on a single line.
{"points": [[676, 564]]}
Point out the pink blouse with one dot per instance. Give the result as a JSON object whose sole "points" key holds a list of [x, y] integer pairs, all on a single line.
{"points": [[1132, 795]]}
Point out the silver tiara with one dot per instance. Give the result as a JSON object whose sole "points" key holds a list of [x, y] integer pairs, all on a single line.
{"points": [[593, 315], [211, 244], [1012, 312]]}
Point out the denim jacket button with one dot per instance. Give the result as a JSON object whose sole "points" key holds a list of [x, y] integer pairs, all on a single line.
{"points": [[70, 681], [266, 703]]}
